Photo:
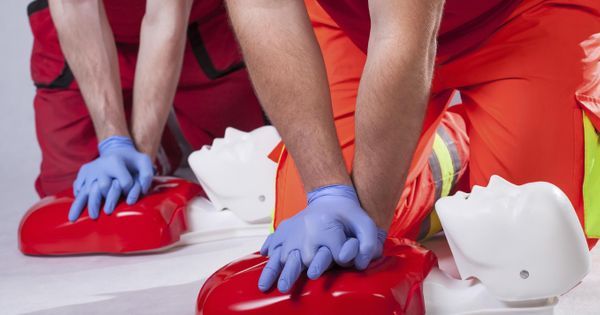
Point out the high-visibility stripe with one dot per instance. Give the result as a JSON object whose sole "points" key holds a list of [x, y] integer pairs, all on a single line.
{"points": [[453, 150], [425, 227], [591, 179], [445, 165], [445, 159], [272, 225], [436, 225], [436, 173]]}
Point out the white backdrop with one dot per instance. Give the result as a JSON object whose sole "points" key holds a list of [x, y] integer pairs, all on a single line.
{"points": [[19, 153], [153, 284]]}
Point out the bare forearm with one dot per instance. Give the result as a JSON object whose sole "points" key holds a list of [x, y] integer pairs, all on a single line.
{"points": [[390, 107], [158, 68], [88, 45], [289, 76]]}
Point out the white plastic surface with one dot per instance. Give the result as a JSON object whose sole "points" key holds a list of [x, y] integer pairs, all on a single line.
{"points": [[516, 248], [206, 224], [164, 283], [445, 295], [236, 173]]}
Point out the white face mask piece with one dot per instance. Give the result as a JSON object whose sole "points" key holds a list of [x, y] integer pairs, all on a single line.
{"points": [[236, 173], [522, 242]]}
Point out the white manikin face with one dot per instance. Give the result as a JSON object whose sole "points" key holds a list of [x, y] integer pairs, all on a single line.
{"points": [[237, 174], [522, 242]]}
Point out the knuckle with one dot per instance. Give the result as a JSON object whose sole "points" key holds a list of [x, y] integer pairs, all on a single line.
{"points": [[84, 169], [104, 186], [112, 159], [269, 270], [145, 178], [126, 181], [368, 248], [145, 159]]}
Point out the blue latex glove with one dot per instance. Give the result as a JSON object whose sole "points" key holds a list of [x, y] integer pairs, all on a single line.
{"points": [[333, 227], [119, 170]]}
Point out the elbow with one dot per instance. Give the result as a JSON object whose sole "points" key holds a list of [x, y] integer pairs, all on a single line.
{"points": [[66, 7], [166, 31], [168, 19], [407, 30], [74, 3], [410, 51], [413, 52], [68, 13]]}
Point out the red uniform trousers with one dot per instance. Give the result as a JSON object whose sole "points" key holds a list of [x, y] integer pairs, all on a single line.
{"points": [[523, 121], [214, 92]]}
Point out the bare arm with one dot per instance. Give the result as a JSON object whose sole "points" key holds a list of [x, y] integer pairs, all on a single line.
{"points": [[89, 47], [392, 99], [288, 73], [160, 58]]}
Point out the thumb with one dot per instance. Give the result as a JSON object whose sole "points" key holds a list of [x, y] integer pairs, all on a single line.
{"points": [[145, 172], [366, 233]]}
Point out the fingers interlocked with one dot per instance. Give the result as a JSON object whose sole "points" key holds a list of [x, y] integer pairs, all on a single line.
{"points": [[332, 229]]}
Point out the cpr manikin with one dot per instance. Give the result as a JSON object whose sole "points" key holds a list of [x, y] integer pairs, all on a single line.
{"points": [[238, 177], [235, 173], [517, 248]]}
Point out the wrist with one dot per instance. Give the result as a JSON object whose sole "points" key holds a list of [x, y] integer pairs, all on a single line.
{"points": [[109, 131], [113, 142], [146, 132], [339, 190], [147, 146]]}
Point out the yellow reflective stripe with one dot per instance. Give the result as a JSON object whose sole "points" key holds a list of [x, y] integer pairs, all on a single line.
{"points": [[272, 227], [442, 163], [435, 224], [443, 154], [591, 179]]}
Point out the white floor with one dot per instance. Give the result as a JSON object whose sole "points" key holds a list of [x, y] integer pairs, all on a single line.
{"points": [[165, 283], [151, 284]]}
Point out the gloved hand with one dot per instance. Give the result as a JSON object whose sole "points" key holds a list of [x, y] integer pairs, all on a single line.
{"points": [[119, 170], [333, 227]]}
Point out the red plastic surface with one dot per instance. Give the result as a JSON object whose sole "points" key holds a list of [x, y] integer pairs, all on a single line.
{"points": [[391, 285], [155, 221]]}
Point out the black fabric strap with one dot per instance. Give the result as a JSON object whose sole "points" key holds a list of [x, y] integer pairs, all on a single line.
{"points": [[203, 58], [61, 82], [36, 6]]}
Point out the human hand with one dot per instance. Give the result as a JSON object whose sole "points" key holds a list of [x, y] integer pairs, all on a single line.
{"points": [[119, 170], [332, 228]]}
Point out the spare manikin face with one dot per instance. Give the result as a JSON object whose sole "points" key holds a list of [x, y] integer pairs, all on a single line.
{"points": [[236, 173], [522, 242]]}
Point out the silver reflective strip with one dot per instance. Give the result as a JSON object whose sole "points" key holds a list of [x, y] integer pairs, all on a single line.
{"points": [[436, 173], [425, 227], [451, 145]]}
